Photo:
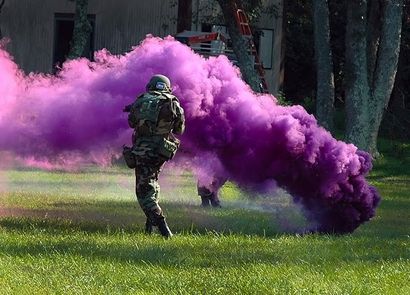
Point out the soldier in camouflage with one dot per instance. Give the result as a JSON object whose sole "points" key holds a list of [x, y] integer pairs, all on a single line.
{"points": [[154, 116]]}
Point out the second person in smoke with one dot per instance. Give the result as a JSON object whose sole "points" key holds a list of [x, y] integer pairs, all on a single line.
{"points": [[154, 116], [209, 192]]}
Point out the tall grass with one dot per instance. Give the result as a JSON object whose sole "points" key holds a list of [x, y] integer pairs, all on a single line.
{"points": [[82, 233]]}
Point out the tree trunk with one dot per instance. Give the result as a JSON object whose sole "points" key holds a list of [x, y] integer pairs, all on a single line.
{"points": [[184, 15], [386, 66], [240, 45], [372, 52], [82, 29], [398, 98], [1, 6], [357, 87], [374, 23], [324, 65]]}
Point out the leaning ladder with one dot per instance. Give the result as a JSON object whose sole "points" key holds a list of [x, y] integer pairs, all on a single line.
{"points": [[245, 29]]}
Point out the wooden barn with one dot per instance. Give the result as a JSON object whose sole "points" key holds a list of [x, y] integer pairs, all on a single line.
{"points": [[40, 30]]}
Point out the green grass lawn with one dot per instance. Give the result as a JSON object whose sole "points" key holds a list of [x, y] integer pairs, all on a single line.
{"points": [[82, 233]]}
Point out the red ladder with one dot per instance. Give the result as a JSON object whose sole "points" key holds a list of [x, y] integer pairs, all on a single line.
{"points": [[245, 30]]}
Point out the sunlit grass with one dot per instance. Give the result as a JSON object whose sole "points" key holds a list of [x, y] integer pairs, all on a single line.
{"points": [[82, 233]]}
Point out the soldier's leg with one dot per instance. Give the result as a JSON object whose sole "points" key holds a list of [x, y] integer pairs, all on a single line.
{"points": [[148, 226], [217, 184], [209, 197], [205, 194], [215, 202], [209, 193], [147, 190]]}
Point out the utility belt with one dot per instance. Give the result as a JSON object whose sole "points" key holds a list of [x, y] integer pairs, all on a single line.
{"points": [[129, 157], [165, 146]]}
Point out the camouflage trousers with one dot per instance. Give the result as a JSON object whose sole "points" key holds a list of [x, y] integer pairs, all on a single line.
{"points": [[147, 186]]}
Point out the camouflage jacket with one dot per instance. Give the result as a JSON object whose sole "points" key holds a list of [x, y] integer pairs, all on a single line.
{"points": [[156, 113]]}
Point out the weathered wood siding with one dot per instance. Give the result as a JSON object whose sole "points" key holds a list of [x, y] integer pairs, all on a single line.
{"points": [[120, 24]]}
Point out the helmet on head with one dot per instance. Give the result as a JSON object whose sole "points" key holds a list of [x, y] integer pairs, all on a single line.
{"points": [[159, 83]]}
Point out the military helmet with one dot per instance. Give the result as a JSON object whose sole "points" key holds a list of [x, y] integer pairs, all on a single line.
{"points": [[159, 83]]}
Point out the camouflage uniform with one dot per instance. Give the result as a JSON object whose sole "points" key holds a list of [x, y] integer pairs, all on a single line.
{"points": [[155, 115]]}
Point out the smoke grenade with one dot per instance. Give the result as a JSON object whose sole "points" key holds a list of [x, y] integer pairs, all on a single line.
{"points": [[75, 117]]}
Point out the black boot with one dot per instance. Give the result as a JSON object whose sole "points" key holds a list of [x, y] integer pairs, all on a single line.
{"points": [[215, 201], [148, 226], [205, 201], [205, 195], [164, 229], [150, 221], [156, 218]]}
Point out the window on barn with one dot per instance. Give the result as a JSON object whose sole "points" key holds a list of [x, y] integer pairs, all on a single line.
{"points": [[63, 33]]}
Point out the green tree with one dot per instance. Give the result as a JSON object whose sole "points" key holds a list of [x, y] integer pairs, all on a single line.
{"points": [[299, 63], [372, 59], [240, 45], [325, 89], [372, 49], [396, 122]]}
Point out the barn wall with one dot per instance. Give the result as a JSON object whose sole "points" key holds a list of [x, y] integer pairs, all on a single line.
{"points": [[120, 24]]}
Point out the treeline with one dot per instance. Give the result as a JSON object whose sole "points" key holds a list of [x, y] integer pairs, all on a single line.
{"points": [[342, 59], [301, 83]]}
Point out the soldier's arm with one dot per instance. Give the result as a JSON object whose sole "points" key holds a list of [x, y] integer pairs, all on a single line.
{"points": [[179, 122], [132, 113], [132, 118], [131, 122]]}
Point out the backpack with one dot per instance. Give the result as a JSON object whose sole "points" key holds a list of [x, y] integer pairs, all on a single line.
{"points": [[148, 108]]}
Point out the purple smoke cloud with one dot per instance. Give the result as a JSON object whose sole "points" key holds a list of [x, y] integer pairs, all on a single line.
{"points": [[76, 117]]}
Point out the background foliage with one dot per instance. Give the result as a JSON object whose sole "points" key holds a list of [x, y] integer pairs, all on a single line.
{"points": [[300, 81]]}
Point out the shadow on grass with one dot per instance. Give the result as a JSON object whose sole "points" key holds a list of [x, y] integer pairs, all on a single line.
{"points": [[62, 238], [392, 221], [68, 229], [392, 168], [127, 216], [391, 164], [152, 252]]}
